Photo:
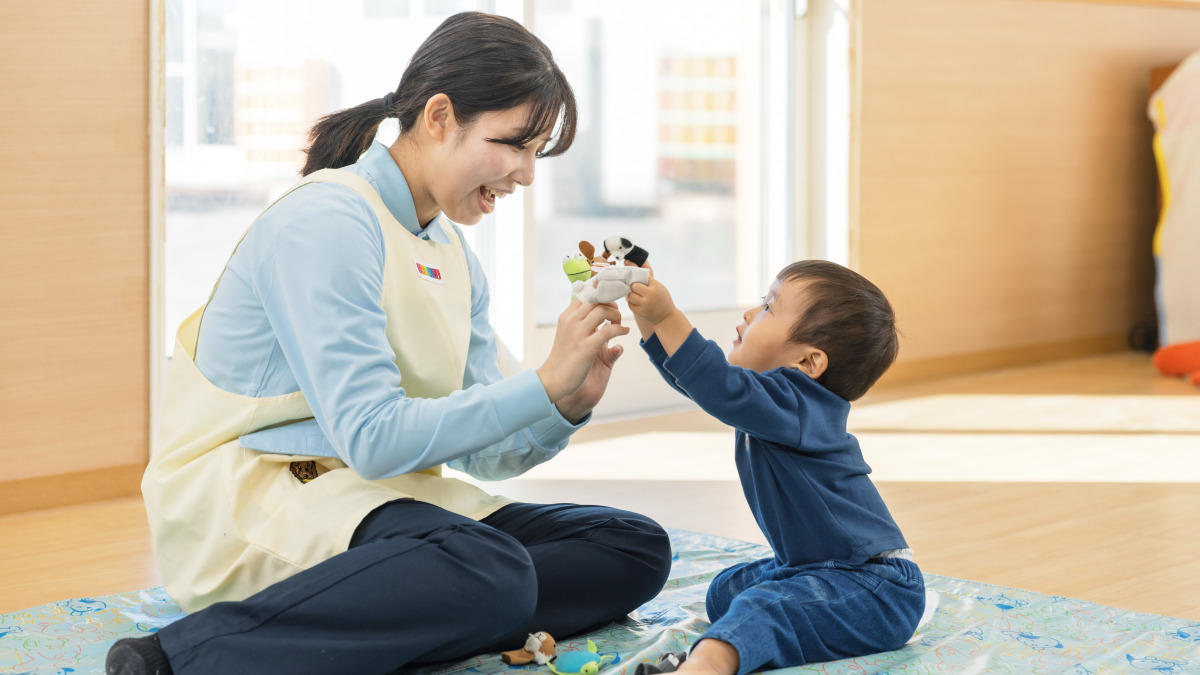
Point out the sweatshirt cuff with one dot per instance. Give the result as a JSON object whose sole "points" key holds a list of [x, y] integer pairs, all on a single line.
{"points": [[653, 348]]}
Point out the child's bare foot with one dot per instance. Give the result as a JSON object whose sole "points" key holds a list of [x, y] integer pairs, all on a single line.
{"points": [[711, 657]]}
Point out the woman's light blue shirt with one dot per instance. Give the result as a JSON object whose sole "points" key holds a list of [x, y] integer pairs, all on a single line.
{"points": [[297, 309]]}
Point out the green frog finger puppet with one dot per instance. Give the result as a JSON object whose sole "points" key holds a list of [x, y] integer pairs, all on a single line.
{"points": [[577, 268]]}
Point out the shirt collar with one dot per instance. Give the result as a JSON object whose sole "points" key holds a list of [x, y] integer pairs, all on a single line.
{"points": [[382, 171]]}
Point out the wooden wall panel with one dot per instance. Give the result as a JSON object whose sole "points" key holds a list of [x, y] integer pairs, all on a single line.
{"points": [[1007, 182], [74, 244]]}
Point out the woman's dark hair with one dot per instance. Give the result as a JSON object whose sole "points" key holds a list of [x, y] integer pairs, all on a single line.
{"points": [[483, 63], [848, 318]]}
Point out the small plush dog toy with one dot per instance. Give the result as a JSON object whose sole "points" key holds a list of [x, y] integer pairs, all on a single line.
{"points": [[539, 647], [600, 278], [599, 262]]}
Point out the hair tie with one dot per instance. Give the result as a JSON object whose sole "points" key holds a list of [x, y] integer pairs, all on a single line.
{"points": [[387, 103]]}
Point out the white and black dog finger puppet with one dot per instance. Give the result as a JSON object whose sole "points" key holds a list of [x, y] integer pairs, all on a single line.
{"points": [[621, 248]]}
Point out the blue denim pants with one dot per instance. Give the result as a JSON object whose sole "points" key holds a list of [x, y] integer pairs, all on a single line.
{"points": [[420, 584], [782, 617]]}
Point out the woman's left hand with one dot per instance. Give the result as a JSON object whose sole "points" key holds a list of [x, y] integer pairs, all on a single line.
{"points": [[577, 405]]}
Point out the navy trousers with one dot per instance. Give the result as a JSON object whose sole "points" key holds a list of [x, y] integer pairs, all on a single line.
{"points": [[420, 584]]}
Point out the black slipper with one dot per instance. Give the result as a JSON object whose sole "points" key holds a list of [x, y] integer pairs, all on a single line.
{"points": [[667, 664], [137, 656]]}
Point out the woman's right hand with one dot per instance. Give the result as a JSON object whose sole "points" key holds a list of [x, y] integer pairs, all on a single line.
{"points": [[579, 337]]}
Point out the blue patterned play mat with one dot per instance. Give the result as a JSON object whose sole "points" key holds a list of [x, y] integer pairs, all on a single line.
{"points": [[969, 627]]}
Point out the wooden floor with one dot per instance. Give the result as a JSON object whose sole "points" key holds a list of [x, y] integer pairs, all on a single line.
{"points": [[1131, 545]]}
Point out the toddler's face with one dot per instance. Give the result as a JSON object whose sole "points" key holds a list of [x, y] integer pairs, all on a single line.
{"points": [[762, 338]]}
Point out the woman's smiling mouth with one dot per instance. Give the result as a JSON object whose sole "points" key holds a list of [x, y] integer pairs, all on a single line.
{"points": [[487, 198]]}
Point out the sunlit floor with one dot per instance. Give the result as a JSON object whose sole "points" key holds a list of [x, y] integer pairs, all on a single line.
{"points": [[1105, 512]]}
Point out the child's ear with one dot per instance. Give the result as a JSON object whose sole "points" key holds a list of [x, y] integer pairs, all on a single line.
{"points": [[812, 361]]}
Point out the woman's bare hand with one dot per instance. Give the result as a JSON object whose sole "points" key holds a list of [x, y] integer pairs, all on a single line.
{"points": [[583, 331]]}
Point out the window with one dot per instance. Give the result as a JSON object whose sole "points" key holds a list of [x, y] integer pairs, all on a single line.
{"points": [[681, 147], [656, 154]]}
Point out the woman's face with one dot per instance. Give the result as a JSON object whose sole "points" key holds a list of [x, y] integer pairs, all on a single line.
{"points": [[475, 170]]}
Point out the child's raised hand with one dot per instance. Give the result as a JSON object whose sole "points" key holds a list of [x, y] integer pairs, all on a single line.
{"points": [[656, 314], [651, 302]]}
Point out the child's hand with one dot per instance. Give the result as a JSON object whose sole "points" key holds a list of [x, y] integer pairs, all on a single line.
{"points": [[651, 302], [656, 314], [644, 327]]}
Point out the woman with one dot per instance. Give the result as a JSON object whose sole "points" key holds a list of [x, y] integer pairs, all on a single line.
{"points": [[295, 497]]}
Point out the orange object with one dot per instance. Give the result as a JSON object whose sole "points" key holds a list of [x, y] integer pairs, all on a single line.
{"points": [[1179, 359]]}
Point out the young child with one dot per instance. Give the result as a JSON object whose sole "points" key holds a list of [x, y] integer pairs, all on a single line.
{"points": [[842, 582]]}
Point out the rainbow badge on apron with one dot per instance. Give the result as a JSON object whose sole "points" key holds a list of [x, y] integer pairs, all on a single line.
{"points": [[429, 273]]}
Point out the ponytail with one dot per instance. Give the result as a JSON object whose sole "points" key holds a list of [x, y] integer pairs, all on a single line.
{"points": [[483, 63], [340, 138]]}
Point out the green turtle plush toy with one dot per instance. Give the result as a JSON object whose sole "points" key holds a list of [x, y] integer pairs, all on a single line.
{"points": [[580, 663]]}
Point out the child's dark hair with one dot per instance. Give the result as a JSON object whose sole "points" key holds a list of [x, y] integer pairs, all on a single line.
{"points": [[848, 318], [483, 63]]}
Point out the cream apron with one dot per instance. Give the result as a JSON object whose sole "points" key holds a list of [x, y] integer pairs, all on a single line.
{"points": [[228, 521]]}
